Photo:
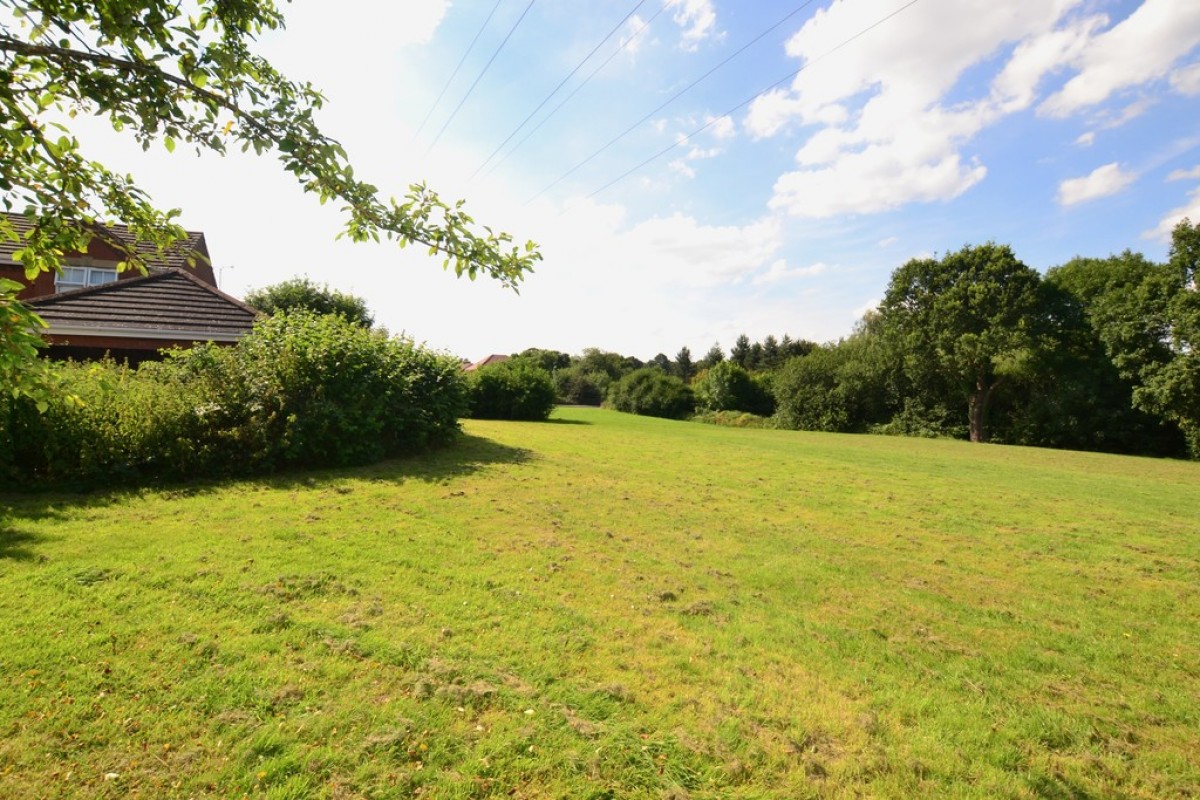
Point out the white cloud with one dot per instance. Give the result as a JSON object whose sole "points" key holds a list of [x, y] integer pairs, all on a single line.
{"points": [[1185, 174], [1139, 49], [779, 271], [1190, 209], [1186, 80], [633, 38], [682, 167], [721, 127], [1100, 182], [698, 18], [886, 137], [1086, 139], [888, 242]]}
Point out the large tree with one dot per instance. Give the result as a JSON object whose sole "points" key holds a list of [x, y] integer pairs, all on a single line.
{"points": [[302, 293], [169, 72], [965, 321]]}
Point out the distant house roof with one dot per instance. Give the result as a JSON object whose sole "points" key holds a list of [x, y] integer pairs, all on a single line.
{"points": [[492, 359], [188, 253], [169, 305]]}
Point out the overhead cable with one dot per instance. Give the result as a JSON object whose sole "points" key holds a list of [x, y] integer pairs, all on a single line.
{"points": [[673, 98], [684, 139], [561, 83], [632, 38], [454, 74], [486, 67]]}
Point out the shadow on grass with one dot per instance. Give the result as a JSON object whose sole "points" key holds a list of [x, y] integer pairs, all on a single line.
{"points": [[561, 421], [1059, 788], [14, 543], [466, 455]]}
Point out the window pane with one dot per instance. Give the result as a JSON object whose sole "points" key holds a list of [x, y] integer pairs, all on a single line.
{"points": [[97, 277], [73, 275]]}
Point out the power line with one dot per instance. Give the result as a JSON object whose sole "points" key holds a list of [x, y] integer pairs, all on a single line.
{"points": [[750, 100], [673, 98], [562, 83], [582, 84], [454, 74], [486, 66]]}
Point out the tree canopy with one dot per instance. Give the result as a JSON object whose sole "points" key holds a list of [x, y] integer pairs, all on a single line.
{"points": [[302, 293], [171, 73], [965, 320]]}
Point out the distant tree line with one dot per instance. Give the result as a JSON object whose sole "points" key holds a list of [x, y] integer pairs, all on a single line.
{"points": [[1097, 354]]}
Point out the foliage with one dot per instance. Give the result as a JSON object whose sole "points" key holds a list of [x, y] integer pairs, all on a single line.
{"points": [[181, 73], [740, 352], [733, 419], [684, 368], [1172, 389], [729, 387], [300, 390], [21, 373], [651, 392], [966, 319], [840, 387], [574, 386], [513, 389], [549, 360], [303, 294], [715, 355]]}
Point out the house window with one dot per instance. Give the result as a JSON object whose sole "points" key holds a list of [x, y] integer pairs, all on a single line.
{"points": [[80, 277]]}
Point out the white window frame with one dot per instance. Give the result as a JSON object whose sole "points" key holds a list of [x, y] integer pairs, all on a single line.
{"points": [[71, 277]]}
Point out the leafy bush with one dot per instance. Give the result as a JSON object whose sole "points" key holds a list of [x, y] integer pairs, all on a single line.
{"points": [[516, 389], [726, 386], [734, 419], [574, 386], [300, 390], [651, 392], [301, 294]]}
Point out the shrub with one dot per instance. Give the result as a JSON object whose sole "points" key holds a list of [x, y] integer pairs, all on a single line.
{"points": [[734, 419], [651, 392], [300, 390], [726, 386], [516, 389], [577, 387], [301, 294]]}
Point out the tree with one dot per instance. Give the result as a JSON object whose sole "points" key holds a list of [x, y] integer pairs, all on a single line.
{"points": [[1171, 388], [662, 362], [684, 368], [729, 387], [300, 293], [714, 356], [513, 389], [172, 72], [740, 354], [651, 392], [549, 360], [967, 320], [772, 355]]}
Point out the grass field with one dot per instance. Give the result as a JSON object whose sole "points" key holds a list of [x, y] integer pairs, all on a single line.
{"points": [[607, 606]]}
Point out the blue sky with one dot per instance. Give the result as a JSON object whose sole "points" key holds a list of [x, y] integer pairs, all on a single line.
{"points": [[1061, 127]]}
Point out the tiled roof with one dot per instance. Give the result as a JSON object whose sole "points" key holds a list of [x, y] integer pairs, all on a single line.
{"points": [[492, 359], [174, 300], [176, 257]]}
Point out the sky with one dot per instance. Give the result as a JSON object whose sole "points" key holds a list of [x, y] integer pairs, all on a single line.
{"points": [[718, 167]]}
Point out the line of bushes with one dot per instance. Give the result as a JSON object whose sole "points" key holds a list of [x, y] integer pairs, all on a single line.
{"points": [[301, 390]]}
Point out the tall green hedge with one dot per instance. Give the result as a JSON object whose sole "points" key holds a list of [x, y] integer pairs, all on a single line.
{"points": [[300, 390]]}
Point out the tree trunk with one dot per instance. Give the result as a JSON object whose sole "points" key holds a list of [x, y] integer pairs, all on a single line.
{"points": [[977, 406]]}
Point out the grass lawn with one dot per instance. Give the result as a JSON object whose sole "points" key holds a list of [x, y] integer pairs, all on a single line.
{"points": [[608, 606]]}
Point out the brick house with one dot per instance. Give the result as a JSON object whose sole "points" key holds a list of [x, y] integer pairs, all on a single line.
{"points": [[93, 309]]}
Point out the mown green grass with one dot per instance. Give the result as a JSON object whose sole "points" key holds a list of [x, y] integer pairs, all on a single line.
{"points": [[613, 606]]}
